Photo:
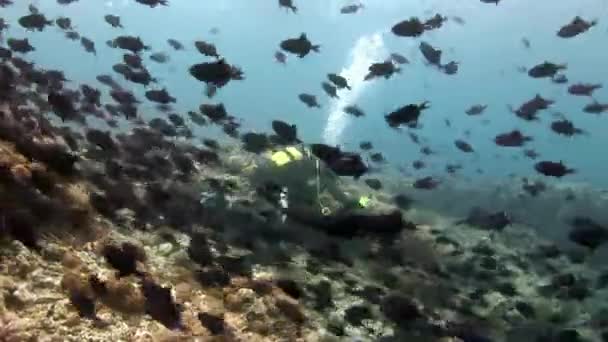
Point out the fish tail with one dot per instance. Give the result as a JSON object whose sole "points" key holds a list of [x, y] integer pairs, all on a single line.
{"points": [[316, 48]]}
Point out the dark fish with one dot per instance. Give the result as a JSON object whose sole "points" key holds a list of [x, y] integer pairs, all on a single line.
{"points": [[123, 96], [553, 169], [595, 108], [426, 183], [91, 95], [217, 73], [108, 80], [160, 96], [374, 183], [214, 30], [432, 55], [583, 89], [212, 144], [545, 69], [286, 132], [351, 9], [452, 168], [463, 146], [63, 106], [133, 61], [163, 127], [348, 164], [72, 35], [450, 68], [309, 100], [176, 120], [101, 139], [511, 139], [418, 164], [197, 118], [384, 69], [33, 9], [280, 57], [412, 27], [206, 49], [133, 44], [399, 59], [575, 27], [215, 324], [330, 90], [113, 20], [89, 45], [288, 4], [354, 110], [153, 3], [34, 21], [214, 112], [175, 44], [487, 220], [366, 145], [413, 137], [377, 157], [477, 109], [300, 46], [435, 22], [532, 154], [65, 2], [528, 111], [84, 304], [64, 23], [559, 79], [20, 45], [121, 68], [159, 303], [525, 42], [587, 233], [339, 81], [255, 142], [458, 20], [140, 77], [565, 127], [490, 2], [159, 57], [407, 115]]}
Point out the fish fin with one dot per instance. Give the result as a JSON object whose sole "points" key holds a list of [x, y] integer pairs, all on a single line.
{"points": [[303, 36], [315, 48]]}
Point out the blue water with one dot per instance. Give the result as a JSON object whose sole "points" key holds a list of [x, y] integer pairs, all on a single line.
{"points": [[488, 47]]}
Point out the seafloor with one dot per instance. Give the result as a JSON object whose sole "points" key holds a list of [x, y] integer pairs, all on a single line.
{"points": [[252, 282]]}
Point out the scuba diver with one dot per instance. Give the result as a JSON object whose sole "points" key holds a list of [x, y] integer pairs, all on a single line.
{"points": [[303, 184]]}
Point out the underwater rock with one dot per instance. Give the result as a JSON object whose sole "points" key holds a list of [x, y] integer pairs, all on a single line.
{"points": [[213, 277], [322, 294], [84, 304], [291, 310], [290, 287], [213, 323], [525, 309], [124, 258], [356, 314], [160, 305], [399, 309]]}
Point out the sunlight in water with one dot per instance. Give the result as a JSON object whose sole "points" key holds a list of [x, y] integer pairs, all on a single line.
{"points": [[367, 50]]}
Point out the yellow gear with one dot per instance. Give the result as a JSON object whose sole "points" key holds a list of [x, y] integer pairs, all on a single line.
{"points": [[364, 201], [283, 157]]}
